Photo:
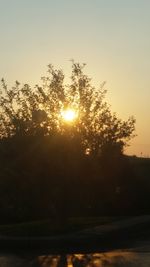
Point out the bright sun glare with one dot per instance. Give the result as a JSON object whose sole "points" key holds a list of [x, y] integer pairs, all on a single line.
{"points": [[69, 115]]}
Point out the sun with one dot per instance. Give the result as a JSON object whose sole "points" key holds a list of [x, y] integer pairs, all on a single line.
{"points": [[69, 115]]}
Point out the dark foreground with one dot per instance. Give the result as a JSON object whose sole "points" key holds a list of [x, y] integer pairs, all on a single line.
{"points": [[119, 234], [117, 244]]}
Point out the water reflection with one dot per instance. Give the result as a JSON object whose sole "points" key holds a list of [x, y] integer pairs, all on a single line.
{"points": [[109, 259]]}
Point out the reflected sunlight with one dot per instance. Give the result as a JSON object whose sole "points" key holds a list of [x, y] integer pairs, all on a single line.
{"points": [[115, 258]]}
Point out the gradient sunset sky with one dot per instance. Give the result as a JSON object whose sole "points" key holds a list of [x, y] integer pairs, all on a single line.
{"points": [[111, 36]]}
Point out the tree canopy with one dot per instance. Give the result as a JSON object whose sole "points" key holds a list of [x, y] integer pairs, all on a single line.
{"points": [[61, 149], [27, 111]]}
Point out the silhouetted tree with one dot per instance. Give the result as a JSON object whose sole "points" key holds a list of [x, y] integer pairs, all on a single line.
{"points": [[63, 167], [25, 111]]}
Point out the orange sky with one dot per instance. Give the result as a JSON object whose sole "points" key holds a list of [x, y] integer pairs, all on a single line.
{"points": [[112, 37]]}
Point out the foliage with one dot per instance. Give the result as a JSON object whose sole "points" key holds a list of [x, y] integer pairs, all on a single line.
{"points": [[26, 111], [55, 168]]}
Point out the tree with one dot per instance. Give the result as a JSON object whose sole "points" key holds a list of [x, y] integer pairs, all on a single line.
{"points": [[58, 136], [26, 111]]}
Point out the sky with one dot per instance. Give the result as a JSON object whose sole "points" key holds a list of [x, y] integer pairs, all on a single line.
{"points": [[111, 36]]}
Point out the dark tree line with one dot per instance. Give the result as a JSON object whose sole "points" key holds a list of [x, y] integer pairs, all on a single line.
{"points": [[54, 168]]}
